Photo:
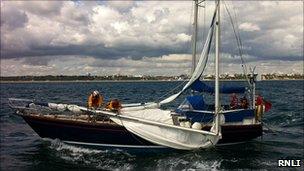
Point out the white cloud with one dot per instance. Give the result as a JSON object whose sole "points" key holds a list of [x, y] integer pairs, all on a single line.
{"points": [[183, 37], [153, 33], [173, 64], [249, 27]]}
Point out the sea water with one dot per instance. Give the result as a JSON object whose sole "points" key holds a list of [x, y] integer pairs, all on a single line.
{"points": [[23, 149]]}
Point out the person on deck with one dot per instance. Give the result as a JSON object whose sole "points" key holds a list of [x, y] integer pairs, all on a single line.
{"points": [[95, 100], [262, 106], [234, 101], [114, 105], [259, 107], [244, 103]]}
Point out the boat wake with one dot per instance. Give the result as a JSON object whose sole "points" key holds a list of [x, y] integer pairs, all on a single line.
{"points": [[186, 163], [92, 158], [116, 159]]}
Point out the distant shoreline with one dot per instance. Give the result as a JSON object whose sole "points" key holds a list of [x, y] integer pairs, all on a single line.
{"points": [[89, 81], [140, 78], [84, 80], [128, 81]]}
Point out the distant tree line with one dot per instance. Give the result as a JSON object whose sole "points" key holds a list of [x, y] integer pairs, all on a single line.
{"points": [[143, 77], [282, 76], [83, 78]]}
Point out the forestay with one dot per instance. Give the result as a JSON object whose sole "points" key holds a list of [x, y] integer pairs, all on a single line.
{"points": [[200, 66]]}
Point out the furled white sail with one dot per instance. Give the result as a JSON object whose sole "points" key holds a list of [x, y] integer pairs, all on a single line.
{"points": [[200, 65], [156, 126], [159, 129], [157, 115]]}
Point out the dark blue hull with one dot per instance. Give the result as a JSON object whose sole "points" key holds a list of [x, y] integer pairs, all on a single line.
{"points": [[86, 132], [113, 135]]}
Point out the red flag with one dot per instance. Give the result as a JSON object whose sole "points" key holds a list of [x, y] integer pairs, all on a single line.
{"points": [[267, 105]]}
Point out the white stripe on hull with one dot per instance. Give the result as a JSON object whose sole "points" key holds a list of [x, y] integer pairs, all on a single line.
{"points": [[114, 145]]}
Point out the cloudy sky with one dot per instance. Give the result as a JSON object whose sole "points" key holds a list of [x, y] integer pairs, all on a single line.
{"points": [[144, 38]]}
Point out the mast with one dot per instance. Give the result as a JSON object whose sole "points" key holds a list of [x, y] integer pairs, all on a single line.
{"points": [[217, 56], [194, 36], [253, 89]]}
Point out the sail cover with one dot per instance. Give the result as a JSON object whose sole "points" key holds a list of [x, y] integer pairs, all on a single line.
{"points": [[196, 102], [200, 66], [169, 136], [202, 87]]}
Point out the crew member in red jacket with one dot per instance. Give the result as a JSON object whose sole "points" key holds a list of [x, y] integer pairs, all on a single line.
{"points": [[234, 101]]}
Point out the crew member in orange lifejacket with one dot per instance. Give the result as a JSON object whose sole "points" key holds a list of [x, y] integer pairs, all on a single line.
{"points": [[95, 100], [234, 101], [114, 105]]}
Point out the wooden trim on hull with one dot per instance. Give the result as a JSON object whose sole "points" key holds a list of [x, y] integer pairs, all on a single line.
{"points": [[113, 134]]}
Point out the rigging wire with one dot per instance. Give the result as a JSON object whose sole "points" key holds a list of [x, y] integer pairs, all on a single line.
{"points": [[189, 47], [204, 21], [237, 29], [239, 43], [202, 14]]}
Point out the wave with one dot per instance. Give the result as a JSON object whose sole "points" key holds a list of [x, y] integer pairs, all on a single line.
{"points": [[92, 158]]}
